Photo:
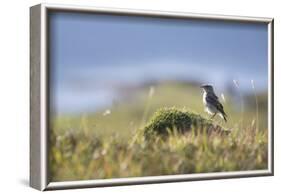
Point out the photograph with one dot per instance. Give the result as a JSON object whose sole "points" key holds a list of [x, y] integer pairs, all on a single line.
{"points": [[147, 96]]}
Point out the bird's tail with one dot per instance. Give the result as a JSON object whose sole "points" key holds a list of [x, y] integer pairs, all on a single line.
{"points": [[224, 116]]}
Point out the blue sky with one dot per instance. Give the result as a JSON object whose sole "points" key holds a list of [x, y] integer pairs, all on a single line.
{"points": [[90, 54]]}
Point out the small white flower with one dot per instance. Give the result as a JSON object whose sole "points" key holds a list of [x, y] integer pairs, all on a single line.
{"points": [[107, 112]]}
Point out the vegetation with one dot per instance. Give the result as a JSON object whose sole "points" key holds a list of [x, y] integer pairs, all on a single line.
{"points": [[129, 141], [182, 121]]}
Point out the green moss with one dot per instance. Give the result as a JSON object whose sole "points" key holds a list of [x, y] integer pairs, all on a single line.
{"points": [[165, 120]]}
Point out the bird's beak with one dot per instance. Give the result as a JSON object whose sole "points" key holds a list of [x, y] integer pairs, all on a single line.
{"points": [[201, 86]]}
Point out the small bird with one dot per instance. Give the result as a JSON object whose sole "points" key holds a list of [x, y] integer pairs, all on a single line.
{"points": [[211, 102]]}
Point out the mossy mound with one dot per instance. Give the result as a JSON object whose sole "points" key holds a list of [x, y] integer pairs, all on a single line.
{"points": [[166, 120]]}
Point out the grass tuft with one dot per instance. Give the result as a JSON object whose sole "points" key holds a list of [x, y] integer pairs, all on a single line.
{"points": [[165, 120]]}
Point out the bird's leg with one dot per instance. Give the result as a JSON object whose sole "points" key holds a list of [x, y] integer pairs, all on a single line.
{"points": [[213, 115]]}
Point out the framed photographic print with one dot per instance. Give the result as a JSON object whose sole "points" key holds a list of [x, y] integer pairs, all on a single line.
{"points": [[123, 97]]}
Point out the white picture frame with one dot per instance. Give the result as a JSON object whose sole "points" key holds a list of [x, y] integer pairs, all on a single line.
{"points": [[39, 91]]}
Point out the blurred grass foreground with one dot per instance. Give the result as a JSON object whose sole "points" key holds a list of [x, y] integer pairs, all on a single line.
{"points": [[162, 131]]}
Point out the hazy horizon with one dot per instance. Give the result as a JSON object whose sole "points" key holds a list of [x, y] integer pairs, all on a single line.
{"points": [[90, 54]]}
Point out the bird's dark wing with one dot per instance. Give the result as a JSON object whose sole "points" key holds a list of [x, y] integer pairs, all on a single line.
{"points": [[213, 99], [215, 96]]}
